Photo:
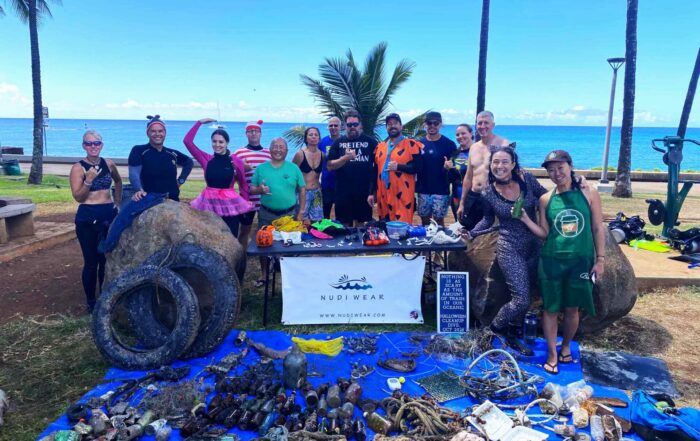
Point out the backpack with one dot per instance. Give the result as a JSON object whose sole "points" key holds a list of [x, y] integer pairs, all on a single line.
{"points": [[655, 418]]}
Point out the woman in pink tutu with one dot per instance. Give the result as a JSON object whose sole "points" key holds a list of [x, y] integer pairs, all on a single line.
{"points": [[221, 170]]}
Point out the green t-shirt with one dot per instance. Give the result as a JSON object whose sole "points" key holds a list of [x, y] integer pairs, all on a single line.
{"points": [[283, 182]]}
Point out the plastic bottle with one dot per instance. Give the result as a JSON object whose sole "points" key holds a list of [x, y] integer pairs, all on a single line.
{"points": [[597, 432], [530, 328], [294, 368], [518, 206]]}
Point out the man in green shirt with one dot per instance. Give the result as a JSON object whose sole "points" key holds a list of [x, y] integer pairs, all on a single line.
{"points": [[278, 182]]}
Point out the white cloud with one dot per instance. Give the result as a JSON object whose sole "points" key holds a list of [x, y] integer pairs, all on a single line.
{"points": [[12, 102]]}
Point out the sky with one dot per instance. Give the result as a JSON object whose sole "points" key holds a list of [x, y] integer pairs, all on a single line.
{"points": [[188, 60]]}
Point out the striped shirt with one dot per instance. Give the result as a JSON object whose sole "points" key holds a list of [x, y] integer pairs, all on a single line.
{"points": [[253, 158]]}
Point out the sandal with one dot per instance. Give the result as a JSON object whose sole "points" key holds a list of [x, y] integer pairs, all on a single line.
{"points": [[565, 359], [552, 369]]}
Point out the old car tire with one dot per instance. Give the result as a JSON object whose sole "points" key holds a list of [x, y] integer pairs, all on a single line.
{"points": [[218, 311], [175, 343]]}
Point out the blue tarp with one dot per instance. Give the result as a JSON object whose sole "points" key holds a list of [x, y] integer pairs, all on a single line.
{"points": [[374, 386]]}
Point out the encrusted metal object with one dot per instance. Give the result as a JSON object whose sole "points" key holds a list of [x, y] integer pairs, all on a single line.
{"points": [[361, 345], [443, 386]]}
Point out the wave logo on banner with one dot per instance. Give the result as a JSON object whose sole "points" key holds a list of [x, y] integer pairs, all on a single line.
{"points": [[347, 283]]}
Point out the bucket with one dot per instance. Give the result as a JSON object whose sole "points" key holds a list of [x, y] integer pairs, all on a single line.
{"points": [[11, 167], [396, 229]]}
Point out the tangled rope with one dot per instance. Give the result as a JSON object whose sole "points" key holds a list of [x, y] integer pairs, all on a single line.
{"points": [[502, 383], [420, 417]]}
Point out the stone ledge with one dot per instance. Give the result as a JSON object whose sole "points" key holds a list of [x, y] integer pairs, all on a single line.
{"points": [[48, 234]]}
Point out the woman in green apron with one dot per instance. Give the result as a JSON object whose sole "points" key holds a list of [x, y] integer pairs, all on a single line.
{"points": [[572, 257]]}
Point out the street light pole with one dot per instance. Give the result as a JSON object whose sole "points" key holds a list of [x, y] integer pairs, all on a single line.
{"points": [[615, 63]]}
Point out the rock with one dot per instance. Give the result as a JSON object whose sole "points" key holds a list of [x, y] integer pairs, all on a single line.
{"points": [[614, 295], [168, 224]]}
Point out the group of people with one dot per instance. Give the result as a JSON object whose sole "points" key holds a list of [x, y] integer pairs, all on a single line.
{"points": [[554, 236]]}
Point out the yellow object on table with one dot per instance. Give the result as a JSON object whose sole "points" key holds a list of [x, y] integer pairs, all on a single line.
{"points": [[288, 224]]}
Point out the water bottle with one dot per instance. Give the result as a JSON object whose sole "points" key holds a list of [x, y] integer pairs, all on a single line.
{"points": [[518, 206], [530, 328]]}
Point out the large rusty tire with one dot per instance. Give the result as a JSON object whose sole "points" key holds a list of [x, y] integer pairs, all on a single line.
{"points": [[186, 319], [217, 290]]}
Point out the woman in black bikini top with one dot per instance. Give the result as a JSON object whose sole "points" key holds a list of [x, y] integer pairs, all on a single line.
{"points": [[304, 158]]}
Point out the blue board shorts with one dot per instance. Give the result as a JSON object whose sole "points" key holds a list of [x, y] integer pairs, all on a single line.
{"points": [[433, 205]]}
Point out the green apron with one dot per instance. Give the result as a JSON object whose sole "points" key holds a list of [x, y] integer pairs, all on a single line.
{"points": [[568, 253]]}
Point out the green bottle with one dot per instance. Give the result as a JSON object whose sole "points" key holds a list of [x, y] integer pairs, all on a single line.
{"points": [[518, 206]]}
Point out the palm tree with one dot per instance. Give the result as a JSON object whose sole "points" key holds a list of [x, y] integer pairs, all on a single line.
{"points": [[623, 183], [32, 12], [483, 51], [343, 85]]}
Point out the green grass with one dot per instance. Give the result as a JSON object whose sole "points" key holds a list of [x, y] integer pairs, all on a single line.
{"points": [[53, 189], [46, 364], [57, 189]]}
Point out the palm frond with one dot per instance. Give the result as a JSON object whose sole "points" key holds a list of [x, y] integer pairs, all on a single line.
{"points": [[2, 12], [295, 135], [21, 8], [323, 96], [402, 72], [343, 85], [415, 127]]}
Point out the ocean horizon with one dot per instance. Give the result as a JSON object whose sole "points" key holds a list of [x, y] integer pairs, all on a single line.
{"points": [[585, 143]]}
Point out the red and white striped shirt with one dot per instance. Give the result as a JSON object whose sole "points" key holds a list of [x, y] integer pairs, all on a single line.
{"points": [[253, 158]]}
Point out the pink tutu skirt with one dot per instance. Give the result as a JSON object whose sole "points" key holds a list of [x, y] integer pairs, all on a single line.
{"points": [[222, 201]]}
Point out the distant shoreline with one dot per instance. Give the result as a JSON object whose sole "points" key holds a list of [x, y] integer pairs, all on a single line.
{"points": [[637, 175]]}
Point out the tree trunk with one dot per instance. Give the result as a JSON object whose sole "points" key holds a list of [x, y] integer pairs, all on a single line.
{"points": [[483, 50], [623, 183], [36, 172], [689, 97]]}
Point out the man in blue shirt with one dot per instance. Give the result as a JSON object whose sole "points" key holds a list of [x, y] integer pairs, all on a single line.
{"points": [[328, 176], [153, 167], [433, 183]]}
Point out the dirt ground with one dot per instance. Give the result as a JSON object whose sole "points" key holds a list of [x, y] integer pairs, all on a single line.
{"points": [[44, 282]]}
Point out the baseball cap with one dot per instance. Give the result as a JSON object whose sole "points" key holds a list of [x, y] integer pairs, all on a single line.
{"points": [[393, 116], [433, 116], [557, 156]]}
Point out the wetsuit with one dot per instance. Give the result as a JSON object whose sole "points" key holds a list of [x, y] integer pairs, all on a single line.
{"points": [[155, 171], [456, 175], [313, 210], [91, 225], [517, 250], [568, 253]]}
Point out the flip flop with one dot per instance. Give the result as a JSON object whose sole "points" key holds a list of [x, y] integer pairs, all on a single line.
{"points": [[552, 369], [259, 283], [565, 359]]}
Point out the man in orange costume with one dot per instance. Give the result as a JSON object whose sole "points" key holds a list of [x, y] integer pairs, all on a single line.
{"points": [[398, 160]]}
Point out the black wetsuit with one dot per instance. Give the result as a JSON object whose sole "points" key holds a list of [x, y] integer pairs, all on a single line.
{"points": [[155, 171]]}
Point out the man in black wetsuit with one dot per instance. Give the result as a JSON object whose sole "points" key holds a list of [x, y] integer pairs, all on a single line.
{"points": [[352, 157], [153, 167]]}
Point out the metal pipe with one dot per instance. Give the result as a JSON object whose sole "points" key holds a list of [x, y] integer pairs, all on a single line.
{"points": [[615, 63]]}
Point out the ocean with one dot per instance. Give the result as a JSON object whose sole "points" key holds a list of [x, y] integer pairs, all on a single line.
{"points": [[64, 136]]}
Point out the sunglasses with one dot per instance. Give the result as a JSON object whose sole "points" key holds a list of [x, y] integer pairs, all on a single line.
{"points": [[357, 124], [92, 143], [333, 125], [433, 123]]}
